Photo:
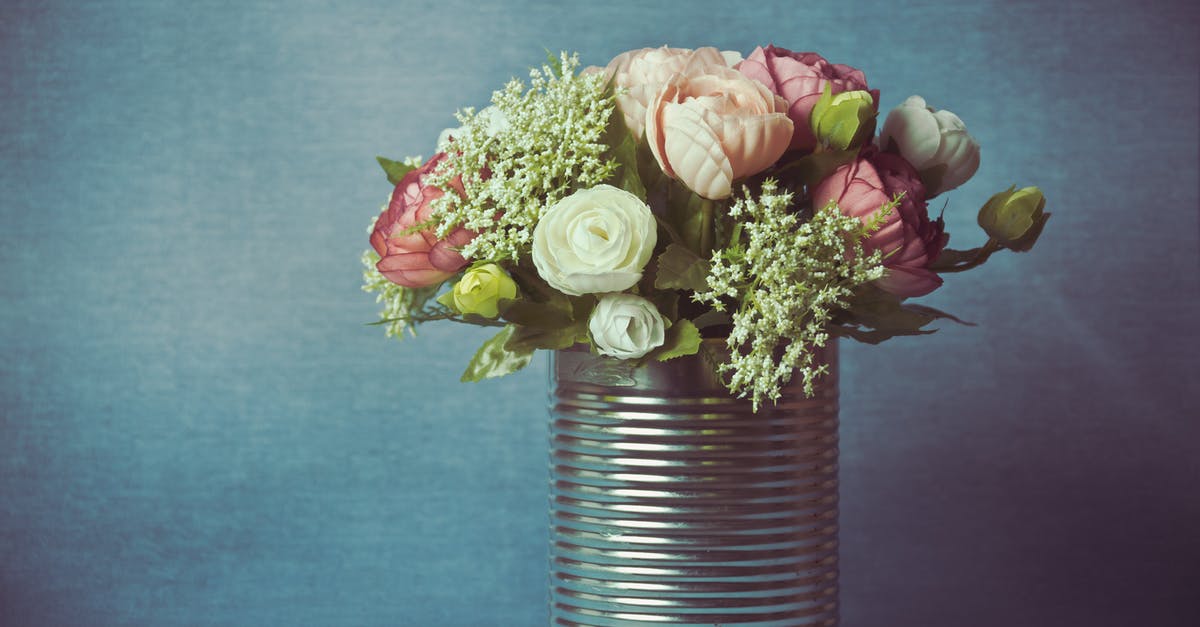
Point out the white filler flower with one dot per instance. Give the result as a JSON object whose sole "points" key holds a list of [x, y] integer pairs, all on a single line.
{"points": [[595, 240], [626, 326], [494, 123], [929, 139]]}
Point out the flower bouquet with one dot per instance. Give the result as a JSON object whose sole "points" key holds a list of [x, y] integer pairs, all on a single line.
{"points": [[678, 203], [677, 195]]}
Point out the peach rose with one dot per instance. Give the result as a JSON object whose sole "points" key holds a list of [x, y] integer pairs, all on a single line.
{"points": [[642, 73], [710, 125]]}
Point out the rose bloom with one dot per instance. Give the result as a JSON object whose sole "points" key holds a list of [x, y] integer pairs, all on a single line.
{"points": [[626, 326], [481, 289], [931, 139], [908, 239], [641, 73], [417, 259], [595, 240], [710, 125], [800, 77]]}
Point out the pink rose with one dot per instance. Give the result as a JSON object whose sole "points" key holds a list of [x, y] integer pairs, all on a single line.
{"points": [[908, 239], [417, 259], [643, 72], [709, 125], [800, 77]]}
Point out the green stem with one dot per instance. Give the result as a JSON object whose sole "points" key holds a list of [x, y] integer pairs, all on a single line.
{"points": [[986, 251], [706, 228], [671, 232], [735, 239], [480, 322]]}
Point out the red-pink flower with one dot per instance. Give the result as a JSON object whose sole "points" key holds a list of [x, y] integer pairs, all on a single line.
{"points": [[416, 259], [800, 77], [909, 240]]}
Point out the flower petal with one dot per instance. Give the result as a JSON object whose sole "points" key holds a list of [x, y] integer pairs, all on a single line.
{"points": [[694, 152], [909, 282], [915, 133]]}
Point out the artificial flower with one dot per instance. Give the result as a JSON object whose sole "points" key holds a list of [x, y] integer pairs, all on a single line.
{"points": [[801, 77], [420, 258], [908, 239], [1014, 218], [626, 326], [936, 143], [481, 289], [595, 240], [845, 120], [640, 74], [710, 125]]}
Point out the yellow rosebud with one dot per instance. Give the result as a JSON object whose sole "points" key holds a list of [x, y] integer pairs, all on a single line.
{"points": [[1015, 218], [845, 120], [481, 289]]}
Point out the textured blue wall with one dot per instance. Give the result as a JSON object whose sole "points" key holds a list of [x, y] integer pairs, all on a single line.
{"points": [[196, 428]]}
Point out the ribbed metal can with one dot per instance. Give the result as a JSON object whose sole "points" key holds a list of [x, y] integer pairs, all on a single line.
{"points": [[673, 504]]}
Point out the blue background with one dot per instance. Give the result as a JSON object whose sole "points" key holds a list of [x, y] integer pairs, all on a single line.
{"points": [[197, 428]]}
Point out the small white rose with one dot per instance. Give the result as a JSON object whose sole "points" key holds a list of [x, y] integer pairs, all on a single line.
{"points": [[595, 240], [929, 139], [626, 326]]}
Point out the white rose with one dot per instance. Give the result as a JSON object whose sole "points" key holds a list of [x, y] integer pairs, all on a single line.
{"points": [[595, 240], [494, 120], [928, 139], [626, 326]]}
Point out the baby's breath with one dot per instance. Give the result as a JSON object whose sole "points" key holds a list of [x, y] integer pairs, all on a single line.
{"points": [[551, 145], [789, 277]]}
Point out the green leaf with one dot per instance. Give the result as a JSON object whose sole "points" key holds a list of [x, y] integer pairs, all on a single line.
{"points": [[666, 302], [692, 217], [535, 289], [395, 170], [649, 171], [875, 315], [681, 269], [950, 258], [623, 149], [495, 359], [683, 338], [530, 314], [533, 338], [814, 168], [871, 336], [581, 306], [935, 313], [712, 318]]}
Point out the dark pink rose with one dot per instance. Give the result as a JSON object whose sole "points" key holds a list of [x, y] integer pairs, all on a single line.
{"points": [[417, 259], [909, 240], [800, 77]]}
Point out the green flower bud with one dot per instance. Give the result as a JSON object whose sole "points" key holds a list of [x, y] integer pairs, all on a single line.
{"points": [[481, 289], [843, 121], [1014, 219]]}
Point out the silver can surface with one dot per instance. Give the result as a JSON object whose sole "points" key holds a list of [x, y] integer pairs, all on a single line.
{"points": [[673, 504]]}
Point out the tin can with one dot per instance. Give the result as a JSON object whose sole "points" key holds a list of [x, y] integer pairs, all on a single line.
{"points": [[673, 503]]}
